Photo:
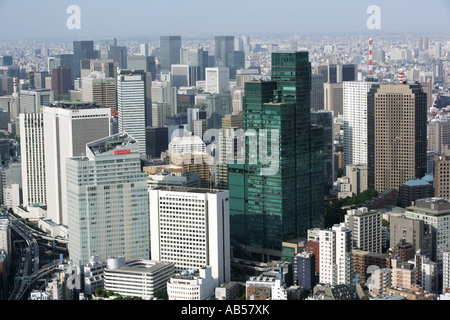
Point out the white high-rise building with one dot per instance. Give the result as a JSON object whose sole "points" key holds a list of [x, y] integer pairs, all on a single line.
{"points": [[32, 158], [366, 229], [217, 79], [159, 114], [445, 271], [434, 212], [238, 95], [67, 129], [133, 104], [108, 201], [143, 49], [5, 234], [355, 121], [190, 227], [164, 92], [335, 257], [97, 88], [31, 101]]}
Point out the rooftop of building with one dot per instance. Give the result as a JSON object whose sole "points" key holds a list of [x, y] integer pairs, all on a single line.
{"points": [[431, 206], [188, 189], [112, 142], [75, 105], [416, 183], [141, 266]]}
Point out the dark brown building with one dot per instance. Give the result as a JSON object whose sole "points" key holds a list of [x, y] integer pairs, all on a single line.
{"points": [[363, 261], [61, 80], [396, 134]]}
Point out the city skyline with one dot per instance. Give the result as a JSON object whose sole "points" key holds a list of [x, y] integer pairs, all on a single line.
{"points": [[201, 18]]}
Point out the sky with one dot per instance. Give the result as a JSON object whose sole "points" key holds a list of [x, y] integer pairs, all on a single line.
{"points": [[45, 19]]}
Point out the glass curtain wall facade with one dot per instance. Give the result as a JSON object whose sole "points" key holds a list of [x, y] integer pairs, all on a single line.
{"points": [[266, 210]]}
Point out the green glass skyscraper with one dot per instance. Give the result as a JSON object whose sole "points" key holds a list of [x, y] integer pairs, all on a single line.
{"points": [[266, 210]]}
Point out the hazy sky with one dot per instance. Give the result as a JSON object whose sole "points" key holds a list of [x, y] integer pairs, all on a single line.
{"points": [[42, 19]]}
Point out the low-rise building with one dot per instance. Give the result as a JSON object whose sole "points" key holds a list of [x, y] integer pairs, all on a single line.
{"points": [[137, 278], [191, 285]]}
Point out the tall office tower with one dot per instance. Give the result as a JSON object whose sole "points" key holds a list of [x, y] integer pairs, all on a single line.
{"points": [[304, 270], [237, 101], [379, 55], [217, 80], [439, 135], [333, 97], [5, 237], [164, 92], [434, 212], [228, 150], [333, 73], [366, 229], [116, 53], [39, 79], [67, 129], [446, 272], [99, 89], [323, 70], [6, 61], [325, 119], [235, 61], [197, 58], [199, 127], [143, 49], [397, 134], [441, 181], [349, 72], [170, 47], [223, 46], [104, 44], [108, 201], [146, 63], [190, 153], [159, 114], [308, 143], [317, 82], [65, 60], [31, 101], [134, 104], [190, 227], [336, 261], [157, 141], [266, 206], [355, 121], [61, 80], [103, 66], [217, 106], [192, 114], [245, 75], [82, 50], [184, 75], [32, 158], [413, 231]]}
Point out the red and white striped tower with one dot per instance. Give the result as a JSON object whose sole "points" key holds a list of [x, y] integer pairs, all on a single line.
{"points": [[400, 78], [370, 57]]}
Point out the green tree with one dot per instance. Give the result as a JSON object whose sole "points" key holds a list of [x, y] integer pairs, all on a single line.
{"points": [[100, 292], [161, 294]]}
